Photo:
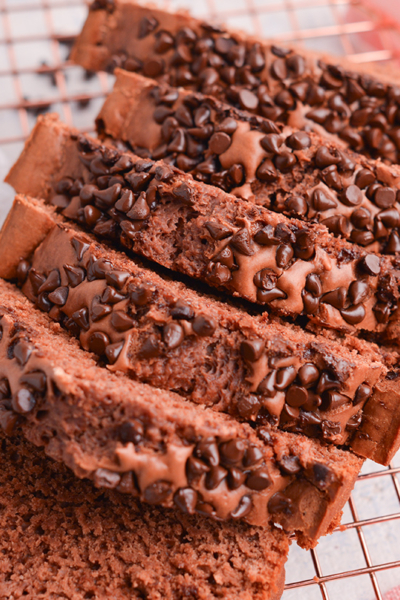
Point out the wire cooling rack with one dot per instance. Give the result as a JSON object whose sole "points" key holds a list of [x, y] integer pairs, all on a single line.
{"points": [[361, 560]]}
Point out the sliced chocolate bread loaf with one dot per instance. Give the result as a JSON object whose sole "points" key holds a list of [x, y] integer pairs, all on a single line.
{"points": [[293, 172], [160, 332], [290, 86], [290, 267], [152, 444], [62, 537]]}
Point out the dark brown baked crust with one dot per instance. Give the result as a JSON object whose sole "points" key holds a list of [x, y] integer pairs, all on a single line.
{"points": [[295, 87], [293, 172], [62, 537], [287, 265], [159, 332], [153, 444]]}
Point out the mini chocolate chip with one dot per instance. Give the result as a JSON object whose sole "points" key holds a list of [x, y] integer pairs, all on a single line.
{"points": [[120, 320], [290, 465], [113, 351], [285, 377], [186, 500], [308, 374], [296, 396], [249, 406], [279, 503], [370, 264], [358, 292], [336, 298], [214, 477], [59, 296], [362, 394], [81, 318], [80, 247], [150, 348], [75, 275], [241, 241], [23, 401], [173, 335], [321, 201], [217, 230], [298, 141], [352, 196], [251, 350], [267, 172], [353, 314], [98, 342], [248, 100], [52, 282], [158, 492], [35, 380], [207, 449], [243, 508], [284, 255], [364, 178], [232, 452], [204, 326], [140, 296], [22, 352], [259, 480]]}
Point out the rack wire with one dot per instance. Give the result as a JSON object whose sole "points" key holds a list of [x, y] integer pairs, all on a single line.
{"points": [[361, 560]]}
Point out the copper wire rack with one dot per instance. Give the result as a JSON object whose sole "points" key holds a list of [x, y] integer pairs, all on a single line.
{"points": [[361, 559]]}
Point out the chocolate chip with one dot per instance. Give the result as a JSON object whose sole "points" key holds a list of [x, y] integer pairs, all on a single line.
{"points": [[296, 64], [321, 201], [75, 275], [186, 500], [336, 298], [23, 401], [81, 318], [219, 143], [150, 348], [364, 178], [8, 420], [207, 449], [243, 508], [235, 478], [279, 503], [158, 492], [363, 238], [285, 377], [362, 394], [80, 247], [259, 480], [140, 209], [296, 396], [361, 217], [131, 431], [111, 296], [59, 296], [120, 320], [267, 172], [124, 162], [36, 280], [265, 296], [228, 125], [117, 279], [285, 161], [279, 69], [308, 374], [299, 140], [195, 468], [389, 217], [98, 342], [290, 465], [354, 422], [125, 203], [248, 100], [265, 279], [266, 236], [322, 476], [333, 399], [324, 158], [113, 351], [284, 255], [184, 193], [146, 26], [22, 271], [60, 201], [248, 406], [226, 258], [214, 477], [385, 197], [35, 380], [217, 230], [153, 67], [52, 282], [22, 352], [358, 292], [353, 314], [370, 264], [256, 58], [271, 142], [43, 303], [326, 382], [138, 181], [251, 350], [139, 296], [232, 452], [352, 196], [393, 245], [241, 241], [173, 335], [204, 326]]}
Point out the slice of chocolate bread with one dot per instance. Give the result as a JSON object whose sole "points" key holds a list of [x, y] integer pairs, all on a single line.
{"points": [[160, 332], [290, 86], [154, 445], [63, 538], [293, 172], [291, 267]]}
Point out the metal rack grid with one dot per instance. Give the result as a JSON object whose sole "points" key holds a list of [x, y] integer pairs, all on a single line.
{"points": [[361, 560]]}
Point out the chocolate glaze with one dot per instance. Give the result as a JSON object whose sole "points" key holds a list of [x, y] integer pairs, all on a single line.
{"points": [[113, 431]]}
